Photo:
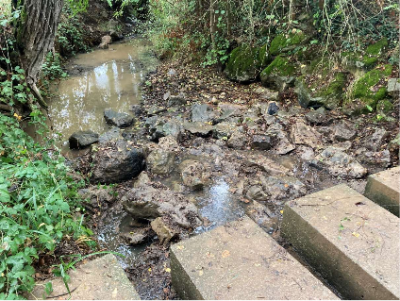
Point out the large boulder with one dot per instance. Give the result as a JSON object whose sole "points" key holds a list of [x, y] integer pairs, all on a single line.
{"points": [[83, 139], [120, 120], [286, 42], [279, 75], [153, 201], [160, 161], [245, 63], [117, 162]]}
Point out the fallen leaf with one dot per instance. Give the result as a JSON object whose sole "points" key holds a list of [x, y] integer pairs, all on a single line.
{"points": [[180, 247], [355, 234], [226, 253], [168, 270], [201, 273]]}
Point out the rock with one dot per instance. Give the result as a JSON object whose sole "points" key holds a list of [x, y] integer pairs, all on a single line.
{"points": [[159, 128], [260, 214], [164, 233], [237, 140], [172, 73], [373, 142], [273, 108], [176, 100], [231, 110], [304, 134], [83, 139], [339, 163], [382, 158], [202, 112], [160, 161], [198, 127], [155, 110], [286, 42], [283, 146], [263, 142], [194, 174], [137, 237], [97, 197], [244, 63], [266, 164], [150, 202], [224, 130], [256, 193], [169, 143], [105, 41], [393, 87], [120, 120], [268, 94], [279, 75], [394, 143], [306, 153], [344, 131], [142, 179], [318, 116], [283, 187], [137, 110], [117, 163], [110, 136]]}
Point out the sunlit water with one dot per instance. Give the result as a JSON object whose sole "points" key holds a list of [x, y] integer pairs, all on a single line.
{"points": [[100, 79]]}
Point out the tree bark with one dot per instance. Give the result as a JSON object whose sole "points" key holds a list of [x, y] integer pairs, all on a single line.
{"points": [[35, 37]]}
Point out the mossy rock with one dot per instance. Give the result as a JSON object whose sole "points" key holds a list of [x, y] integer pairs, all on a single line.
{"points": [[384, 106], [367, 86], [279, 74], [283, 43], [357, 60], [377, 48], [327, 95], [245, 63], [359, 106]]}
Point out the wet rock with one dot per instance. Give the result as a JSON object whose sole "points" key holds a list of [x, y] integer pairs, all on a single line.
{"points": [[267, 93], [224, 130], [202, 112], [260, 214], [283, 187], [374, 141], [237, 140], [263, 142], [116, 163], [160, 161], [150, 202], [83, 139], [382, 158], [164, 233], [97, 197], [256, 193], [198, 128], [305, 135], [120, 120], [105, 41], [318, 116], [339, 163], [344, 131], [194, 174], [136, 237], [273, 108], [142, 179], [393, 87], [137, 110], [110, 136]]}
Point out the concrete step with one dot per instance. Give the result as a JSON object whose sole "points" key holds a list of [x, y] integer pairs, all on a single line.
{"points": [[350, 240], [240, 261], [384, 189], [99, 279]]}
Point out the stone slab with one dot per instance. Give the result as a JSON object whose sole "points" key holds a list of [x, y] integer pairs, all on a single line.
{"points": [[384, 189], [240, 261], [348, 239], [99, 279]]}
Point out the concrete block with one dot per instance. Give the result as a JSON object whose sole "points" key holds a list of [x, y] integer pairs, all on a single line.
{"points": [[383, 188], [99, 279], [348, 239], [240, 261]]}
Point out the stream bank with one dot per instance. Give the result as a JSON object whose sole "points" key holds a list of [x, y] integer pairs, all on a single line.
{"points": [[198, 151]]}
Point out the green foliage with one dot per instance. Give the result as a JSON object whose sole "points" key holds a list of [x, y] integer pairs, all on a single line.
{"points": [[52, 68], [284, 42], [281, 66]]}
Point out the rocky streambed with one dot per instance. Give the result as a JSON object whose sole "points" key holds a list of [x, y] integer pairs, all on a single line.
{"points": [[192, 150]]}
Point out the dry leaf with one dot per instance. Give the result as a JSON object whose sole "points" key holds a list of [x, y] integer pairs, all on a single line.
{"points": [[226, 253]]}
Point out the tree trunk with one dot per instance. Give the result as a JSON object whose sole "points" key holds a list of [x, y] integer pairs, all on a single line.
{"points": [[35, 37]]}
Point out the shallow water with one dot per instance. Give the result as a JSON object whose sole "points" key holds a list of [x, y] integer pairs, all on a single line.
{"points": [[101, 79]]}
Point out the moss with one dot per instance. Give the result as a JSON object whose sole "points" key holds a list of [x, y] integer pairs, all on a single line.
{"points": [[283, 43], [336, 87], [364, 87], [384, 106], [245, 62], [281, 66], [376, 49], [370, 61]]}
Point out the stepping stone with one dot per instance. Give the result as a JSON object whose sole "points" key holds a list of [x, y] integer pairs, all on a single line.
{"points": [[240, 261], [351, 241], [99, 279], [383, 188]]}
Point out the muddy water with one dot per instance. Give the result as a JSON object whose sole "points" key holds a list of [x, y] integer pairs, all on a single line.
{"points": [[98, 80]]}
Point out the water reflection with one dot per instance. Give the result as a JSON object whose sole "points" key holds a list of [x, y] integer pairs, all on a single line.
{"points": [[109, 79]]}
